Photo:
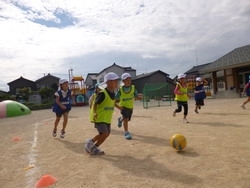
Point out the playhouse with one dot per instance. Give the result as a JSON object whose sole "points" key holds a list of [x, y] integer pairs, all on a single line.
{"points": [[78, 90]]}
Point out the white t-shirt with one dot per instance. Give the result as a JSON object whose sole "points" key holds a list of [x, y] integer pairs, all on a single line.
{"points": [[64, 93]]}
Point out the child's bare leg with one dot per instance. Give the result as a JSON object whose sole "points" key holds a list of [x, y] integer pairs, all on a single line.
{"points": [[100, 138], [56, 122], [248, 99], [196, 107], [125, 124], [65, 120]]}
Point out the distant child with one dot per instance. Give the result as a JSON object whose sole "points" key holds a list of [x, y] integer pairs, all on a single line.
{"points": [[101, 114], [199, 93], [126, 95], [62, 106], [181, 97], [246, 91], [93, 96]]}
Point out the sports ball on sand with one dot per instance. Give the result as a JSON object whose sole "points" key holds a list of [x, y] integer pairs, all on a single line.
{"points": [[178, 141]]}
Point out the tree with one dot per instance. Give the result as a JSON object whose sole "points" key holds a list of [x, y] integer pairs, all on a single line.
{"points": [[22, 94], [47, 93]]}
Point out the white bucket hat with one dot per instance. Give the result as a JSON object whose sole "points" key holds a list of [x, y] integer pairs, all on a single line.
{"points": [[125, 76], [111, 76], [62, 80], [181, 76], [198, 79]]}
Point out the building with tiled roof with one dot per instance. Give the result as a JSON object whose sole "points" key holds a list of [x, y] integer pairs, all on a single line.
{"points": [[231, 71]]}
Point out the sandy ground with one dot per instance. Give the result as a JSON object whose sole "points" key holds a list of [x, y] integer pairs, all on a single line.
{"points": [[217, 152]]}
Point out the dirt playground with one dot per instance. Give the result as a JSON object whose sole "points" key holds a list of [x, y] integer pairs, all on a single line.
{"points": [[217, 152]]}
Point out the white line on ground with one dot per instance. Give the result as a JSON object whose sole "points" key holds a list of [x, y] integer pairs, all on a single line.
{"points": [[30, 172]]}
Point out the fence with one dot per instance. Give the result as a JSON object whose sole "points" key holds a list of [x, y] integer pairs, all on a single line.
{"points": [[156, 95]]}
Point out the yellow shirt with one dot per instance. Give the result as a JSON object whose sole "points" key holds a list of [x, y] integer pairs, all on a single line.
{"points": [[184, 96]]}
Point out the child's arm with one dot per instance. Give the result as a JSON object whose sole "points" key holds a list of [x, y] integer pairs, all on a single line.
{"points": [[59, 103], [118, 106], [245, 87], [137, 96], [176, 90], [196, 91], [205, 82], [91, 100]]}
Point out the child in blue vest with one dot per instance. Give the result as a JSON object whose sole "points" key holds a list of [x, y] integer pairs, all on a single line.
{"points": [[101, 114], [199, 93], [62, 106]]}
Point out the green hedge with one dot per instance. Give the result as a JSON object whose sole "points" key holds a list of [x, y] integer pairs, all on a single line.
{"points": [[33, 106]]}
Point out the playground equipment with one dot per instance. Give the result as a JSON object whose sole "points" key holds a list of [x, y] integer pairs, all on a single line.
{"points": [[78, 90], [9, 108]]}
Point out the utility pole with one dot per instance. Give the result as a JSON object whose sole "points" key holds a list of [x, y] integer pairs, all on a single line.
{"points": [[70, 74], [196, 58]]}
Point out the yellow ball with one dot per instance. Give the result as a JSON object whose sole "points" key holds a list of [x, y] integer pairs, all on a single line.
{"points": [[178, 141]]}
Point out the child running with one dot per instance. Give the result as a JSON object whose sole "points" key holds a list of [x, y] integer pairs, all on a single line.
{"points": [[181, 97], [246, 91], [101, 114], [199, 93], [62, 106], [126, 95]]}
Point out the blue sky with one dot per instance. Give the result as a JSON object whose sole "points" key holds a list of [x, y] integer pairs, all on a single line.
{"points": [[53, 36]]}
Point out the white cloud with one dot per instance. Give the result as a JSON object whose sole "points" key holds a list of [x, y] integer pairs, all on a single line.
{"points": [[40, 37]]}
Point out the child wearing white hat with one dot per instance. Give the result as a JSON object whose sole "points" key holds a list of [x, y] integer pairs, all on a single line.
{"points": [[62, 106], [126, 95], [101, 114], [199, 93], [181, 97]]}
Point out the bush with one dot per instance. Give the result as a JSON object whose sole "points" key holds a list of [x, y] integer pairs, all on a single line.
{"points": [[33, 106]]}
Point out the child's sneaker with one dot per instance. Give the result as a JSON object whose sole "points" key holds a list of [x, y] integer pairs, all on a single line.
{"points": [[196, 111], [242, 106], [127, 135], [89, 144], [185, 121], [174, 113], [54, 133], [62, 134], [119, 122], [96, 151]]}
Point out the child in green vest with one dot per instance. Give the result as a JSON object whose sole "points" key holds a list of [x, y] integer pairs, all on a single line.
{"points": [[101, 114], [181, 97], [126, 95]]}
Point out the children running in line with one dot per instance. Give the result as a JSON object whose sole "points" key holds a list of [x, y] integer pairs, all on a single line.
{"points": [[246, 91], [62, 106], [181, 97], [199, 93], [126, 95], [101, 114]]}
